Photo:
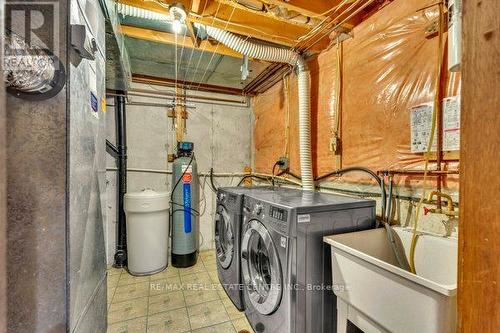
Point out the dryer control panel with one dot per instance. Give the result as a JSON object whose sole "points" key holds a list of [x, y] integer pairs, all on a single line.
{"points": [[278, 217], [269, 215], [278, 213]]}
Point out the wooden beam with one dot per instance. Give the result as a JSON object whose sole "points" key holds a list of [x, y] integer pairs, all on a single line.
{"points": [[197, 6], [265, 13], [147, 79], [192, 34], [239, 21], [479, 219], [168, 38], [306, 7]]}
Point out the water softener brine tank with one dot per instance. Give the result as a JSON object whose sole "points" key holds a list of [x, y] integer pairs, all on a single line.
{"points": [[185, 207]]}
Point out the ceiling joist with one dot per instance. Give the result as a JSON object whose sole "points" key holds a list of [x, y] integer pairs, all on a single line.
{"points": [[309, 8], [234, 19], [168, 38], [197, 6]]}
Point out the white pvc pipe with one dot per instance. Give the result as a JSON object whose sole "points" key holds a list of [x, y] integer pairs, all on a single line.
{"points": [[266, 53], [275, 54], [207, 174]]}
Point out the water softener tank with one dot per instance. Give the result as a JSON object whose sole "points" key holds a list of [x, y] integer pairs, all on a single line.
{"points": [[147, 231], [185, 207]]}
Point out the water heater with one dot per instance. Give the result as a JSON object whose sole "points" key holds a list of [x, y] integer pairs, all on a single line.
{"points": [[185, 207]]}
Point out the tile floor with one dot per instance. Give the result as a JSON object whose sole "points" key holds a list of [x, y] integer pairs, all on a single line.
{"points": [[173, 301]]}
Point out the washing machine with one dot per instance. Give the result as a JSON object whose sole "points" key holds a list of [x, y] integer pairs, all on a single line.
{"points": [[285, 265], [227, 239]]}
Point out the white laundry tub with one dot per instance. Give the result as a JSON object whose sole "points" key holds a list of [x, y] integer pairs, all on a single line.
{"points": [[378, 296]]}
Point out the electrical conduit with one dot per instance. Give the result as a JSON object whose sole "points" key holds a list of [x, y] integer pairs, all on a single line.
{"points": [[275, 54]]}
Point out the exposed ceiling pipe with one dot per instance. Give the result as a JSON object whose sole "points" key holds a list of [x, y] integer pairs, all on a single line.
{"points": [[275, 54], [271, 54], [127, 10]]}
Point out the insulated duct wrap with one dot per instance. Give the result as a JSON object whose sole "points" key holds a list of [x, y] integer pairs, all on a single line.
{"points": [[275, 54], [127, 10], [254, 50]]}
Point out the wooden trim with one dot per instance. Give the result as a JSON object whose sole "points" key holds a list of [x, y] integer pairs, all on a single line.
{"points": [[479, 222]]}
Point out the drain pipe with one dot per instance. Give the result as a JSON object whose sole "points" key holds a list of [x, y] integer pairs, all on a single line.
{"points": [[275, 54], [121, 147]]}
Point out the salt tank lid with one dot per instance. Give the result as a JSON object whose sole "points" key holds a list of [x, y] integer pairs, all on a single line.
{"points": [[146, 193]]}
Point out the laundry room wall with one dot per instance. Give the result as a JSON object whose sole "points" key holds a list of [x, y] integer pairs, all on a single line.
{"points": [[388, 65], [222, 137]]}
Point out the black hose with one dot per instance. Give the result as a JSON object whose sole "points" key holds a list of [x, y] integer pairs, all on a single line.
{"points": [[214, 188], [400, 257], [379, 180], [272, 172], [193, 212], [251, 176]]}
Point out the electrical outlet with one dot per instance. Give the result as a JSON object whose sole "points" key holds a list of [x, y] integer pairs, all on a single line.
{"points": [[335, 144], [283, 163]]}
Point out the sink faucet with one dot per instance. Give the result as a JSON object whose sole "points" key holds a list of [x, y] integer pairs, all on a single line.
{"points": [[449, 211]]}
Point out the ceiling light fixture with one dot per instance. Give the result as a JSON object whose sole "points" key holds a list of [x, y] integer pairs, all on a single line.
{"points": [[178, 15]]}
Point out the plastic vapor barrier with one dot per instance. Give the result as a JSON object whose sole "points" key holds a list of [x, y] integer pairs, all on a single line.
{"points": [[388, 67]]}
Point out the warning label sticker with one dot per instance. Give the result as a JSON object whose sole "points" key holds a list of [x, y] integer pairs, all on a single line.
{"points": [[187, 178], [303, 218], [187, 171], [421, 125]]}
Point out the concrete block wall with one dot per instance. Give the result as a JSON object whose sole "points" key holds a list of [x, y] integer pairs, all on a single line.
{"points": [[222, 137]]}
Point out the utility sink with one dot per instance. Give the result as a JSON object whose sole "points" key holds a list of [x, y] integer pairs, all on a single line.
{"points": [[377, 296]]}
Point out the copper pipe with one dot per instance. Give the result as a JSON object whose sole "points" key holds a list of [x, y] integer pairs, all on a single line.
{"points": [[440, 87], [147, 79], [154, 95]]}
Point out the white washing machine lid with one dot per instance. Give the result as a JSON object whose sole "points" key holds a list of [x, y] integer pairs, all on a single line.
{"points": [[224, 237], [261, 268]]}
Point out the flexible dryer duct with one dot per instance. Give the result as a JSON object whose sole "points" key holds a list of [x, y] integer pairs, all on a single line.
{"points": [[127, 10], [274, 54]]}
